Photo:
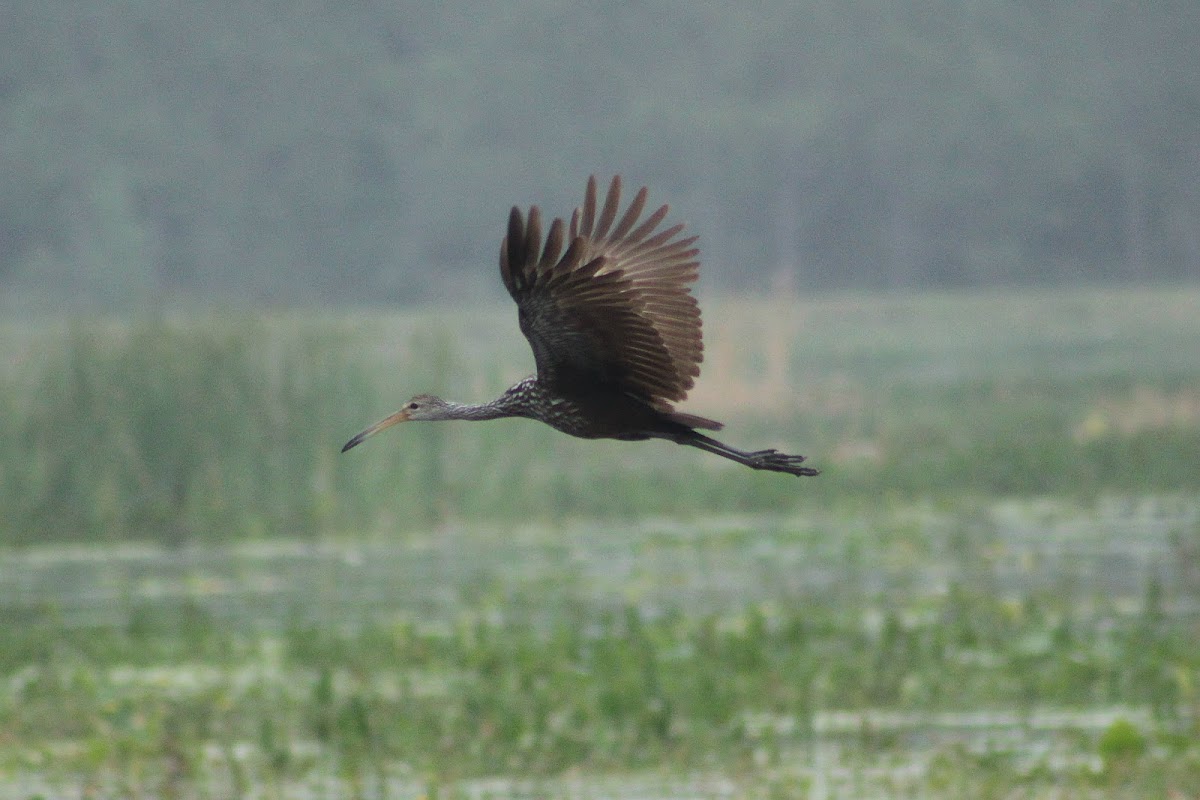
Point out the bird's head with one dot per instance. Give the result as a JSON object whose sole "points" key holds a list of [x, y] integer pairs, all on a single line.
{"points": [[422, 407]]}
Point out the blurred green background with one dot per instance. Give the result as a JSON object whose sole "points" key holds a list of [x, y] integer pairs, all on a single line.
{"points": [[367, 152], [993, 585], [950, 254], [212, 428]]}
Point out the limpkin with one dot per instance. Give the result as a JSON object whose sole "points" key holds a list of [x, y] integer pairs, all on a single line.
{"points": [[614, 329]]}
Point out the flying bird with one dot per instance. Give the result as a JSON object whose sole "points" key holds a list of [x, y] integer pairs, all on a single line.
{"points": [[614, 329]]}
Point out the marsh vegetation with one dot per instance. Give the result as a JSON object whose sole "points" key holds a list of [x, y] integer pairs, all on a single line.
{"points": [[992, 589]]}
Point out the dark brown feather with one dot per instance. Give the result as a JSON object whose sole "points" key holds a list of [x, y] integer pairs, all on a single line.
{"points": [[615, 309]]}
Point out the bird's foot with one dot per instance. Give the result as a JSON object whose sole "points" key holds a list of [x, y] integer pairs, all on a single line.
{"points": [[779, 462]]}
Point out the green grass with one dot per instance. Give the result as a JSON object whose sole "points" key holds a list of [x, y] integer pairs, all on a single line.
{"points": [[742, 647], [221, 427], [563, 685], [204, 598]]}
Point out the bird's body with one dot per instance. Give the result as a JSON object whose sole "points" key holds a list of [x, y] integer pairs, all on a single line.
{"points": [[595, 414], [614, 329]]}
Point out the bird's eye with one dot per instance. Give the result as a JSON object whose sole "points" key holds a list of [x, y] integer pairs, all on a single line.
{"points": [[414, 406]]}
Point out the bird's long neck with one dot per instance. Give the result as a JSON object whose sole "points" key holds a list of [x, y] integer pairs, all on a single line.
{"points": [[475, 412], [515, 402]]}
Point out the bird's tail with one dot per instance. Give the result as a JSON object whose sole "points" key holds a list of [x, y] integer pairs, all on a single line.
{"points": [[693, 421]]}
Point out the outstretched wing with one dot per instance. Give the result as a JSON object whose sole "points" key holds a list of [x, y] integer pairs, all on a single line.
{"points": [[614, 309]]}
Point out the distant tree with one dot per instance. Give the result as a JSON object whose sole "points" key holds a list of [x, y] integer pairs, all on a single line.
{"points": [[367, 151]]}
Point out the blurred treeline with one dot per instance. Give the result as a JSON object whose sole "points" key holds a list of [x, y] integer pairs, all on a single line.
{"points": [[366, 151]]}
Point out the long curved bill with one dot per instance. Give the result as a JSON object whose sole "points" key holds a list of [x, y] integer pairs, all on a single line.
{"points": [[386, 422]]}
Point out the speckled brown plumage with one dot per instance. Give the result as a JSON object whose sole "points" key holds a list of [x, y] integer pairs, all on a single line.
{"points": [[605, 303]]}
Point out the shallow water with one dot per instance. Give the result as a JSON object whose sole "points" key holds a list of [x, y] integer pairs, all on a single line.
{"points": [[1098, 560], [1110, 551]]}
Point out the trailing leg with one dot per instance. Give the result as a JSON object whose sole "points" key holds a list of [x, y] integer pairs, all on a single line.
{"points": [[772, 460]]}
